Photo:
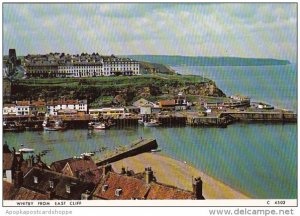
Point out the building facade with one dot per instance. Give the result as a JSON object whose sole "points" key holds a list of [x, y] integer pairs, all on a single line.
{"points": [[85, 65], [53, 107], [9, 109]]}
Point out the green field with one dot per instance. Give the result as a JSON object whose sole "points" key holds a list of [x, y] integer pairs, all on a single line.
{"points": [[114, 80]]}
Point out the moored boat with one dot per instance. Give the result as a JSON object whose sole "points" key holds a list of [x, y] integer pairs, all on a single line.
{"points": [[26, 150], [57, 126], [152, 123], [88, 154], [13, 127], [100, 126]]}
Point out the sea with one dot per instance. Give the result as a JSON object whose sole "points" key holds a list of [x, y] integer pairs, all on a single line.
{"points": [[258, 159]]}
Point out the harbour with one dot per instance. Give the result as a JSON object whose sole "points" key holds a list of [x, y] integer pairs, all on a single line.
{"points": [[243, 155], [217, 152]]}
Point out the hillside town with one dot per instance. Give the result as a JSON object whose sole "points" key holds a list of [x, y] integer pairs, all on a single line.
{"points": [[199, 104]]}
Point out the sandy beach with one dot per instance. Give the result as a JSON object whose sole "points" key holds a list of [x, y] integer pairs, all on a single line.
{"points": [[179, 174]]}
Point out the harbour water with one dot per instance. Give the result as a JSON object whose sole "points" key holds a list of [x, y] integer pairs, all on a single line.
{"points": [[257, 159]]}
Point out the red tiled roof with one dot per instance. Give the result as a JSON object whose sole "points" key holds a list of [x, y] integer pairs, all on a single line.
{"points": [[72, 102], [8, 190], [87, 169], [26, 194], [8, 159], [59, 165], [23, 103], [60, 181], [131, 187], [12, 193], [167, 102], [161, 192], [38, 103], [9, 105]]}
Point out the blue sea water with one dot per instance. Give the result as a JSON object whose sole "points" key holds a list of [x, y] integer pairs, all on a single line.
{"points": [[276, 85], [257, 159]]}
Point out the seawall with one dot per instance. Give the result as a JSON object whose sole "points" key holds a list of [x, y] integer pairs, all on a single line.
{"points": [[138, 147]]}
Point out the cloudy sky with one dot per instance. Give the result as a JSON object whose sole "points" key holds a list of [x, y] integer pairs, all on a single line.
{"points": [[244, 30]]}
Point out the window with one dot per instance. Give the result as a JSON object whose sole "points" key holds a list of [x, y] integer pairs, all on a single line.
{"points": [[4, 173], [118, 192], [35, 180], [51, 184], [68, 188], [105, 187]]}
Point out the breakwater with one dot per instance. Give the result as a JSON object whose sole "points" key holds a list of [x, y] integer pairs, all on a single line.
{"points": [[269, 116], [138, 147]]}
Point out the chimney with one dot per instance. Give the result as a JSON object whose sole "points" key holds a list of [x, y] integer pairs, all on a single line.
{"points": [[123, 171], [106, 168], [197, 188], [148, 175], [30, 161], [85, 195], [18, 182]]}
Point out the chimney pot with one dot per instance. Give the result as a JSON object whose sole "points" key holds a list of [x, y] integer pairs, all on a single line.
{"points": [[149, 175], [197, 188]]}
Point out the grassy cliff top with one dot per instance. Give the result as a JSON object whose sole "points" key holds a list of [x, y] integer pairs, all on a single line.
{"points": [[115, 81]]}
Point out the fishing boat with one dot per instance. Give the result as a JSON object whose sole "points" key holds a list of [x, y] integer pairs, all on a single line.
{"points": [[93, 122], [57, 126], [26, 150], [100, 126], [13, 127], [152, 123]]}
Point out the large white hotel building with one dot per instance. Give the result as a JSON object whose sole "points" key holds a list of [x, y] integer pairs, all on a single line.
{"points": [[85, 65]]}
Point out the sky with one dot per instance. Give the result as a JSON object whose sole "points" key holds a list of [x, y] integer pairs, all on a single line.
{"points": [[261, 30]]}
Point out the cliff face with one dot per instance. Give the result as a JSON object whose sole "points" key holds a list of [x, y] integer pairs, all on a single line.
{"points": [[127, 88]]}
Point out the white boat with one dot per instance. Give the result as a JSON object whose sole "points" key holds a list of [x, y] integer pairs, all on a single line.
{"points": [[88, 154], [152, 123], [100, 126], [93, 122], [26, 150]]}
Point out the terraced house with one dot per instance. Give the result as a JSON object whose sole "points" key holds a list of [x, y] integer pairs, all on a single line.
{"points": [[84, 65]]}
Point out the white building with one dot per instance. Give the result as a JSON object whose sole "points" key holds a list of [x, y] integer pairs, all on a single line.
{"points": [[77, 105], [9, 109], [23, 108], [79, 66], [146, 109]]}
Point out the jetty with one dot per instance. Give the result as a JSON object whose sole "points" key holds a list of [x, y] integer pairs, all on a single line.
{"points": [[262, 116], [137, 147]]}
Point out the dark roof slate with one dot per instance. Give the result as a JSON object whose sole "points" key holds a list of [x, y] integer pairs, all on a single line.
{"points": [[61, 181]]}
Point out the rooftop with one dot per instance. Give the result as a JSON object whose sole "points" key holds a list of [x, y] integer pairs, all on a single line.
{"points": [[11, 193], [131, 188], [38, 180]]}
